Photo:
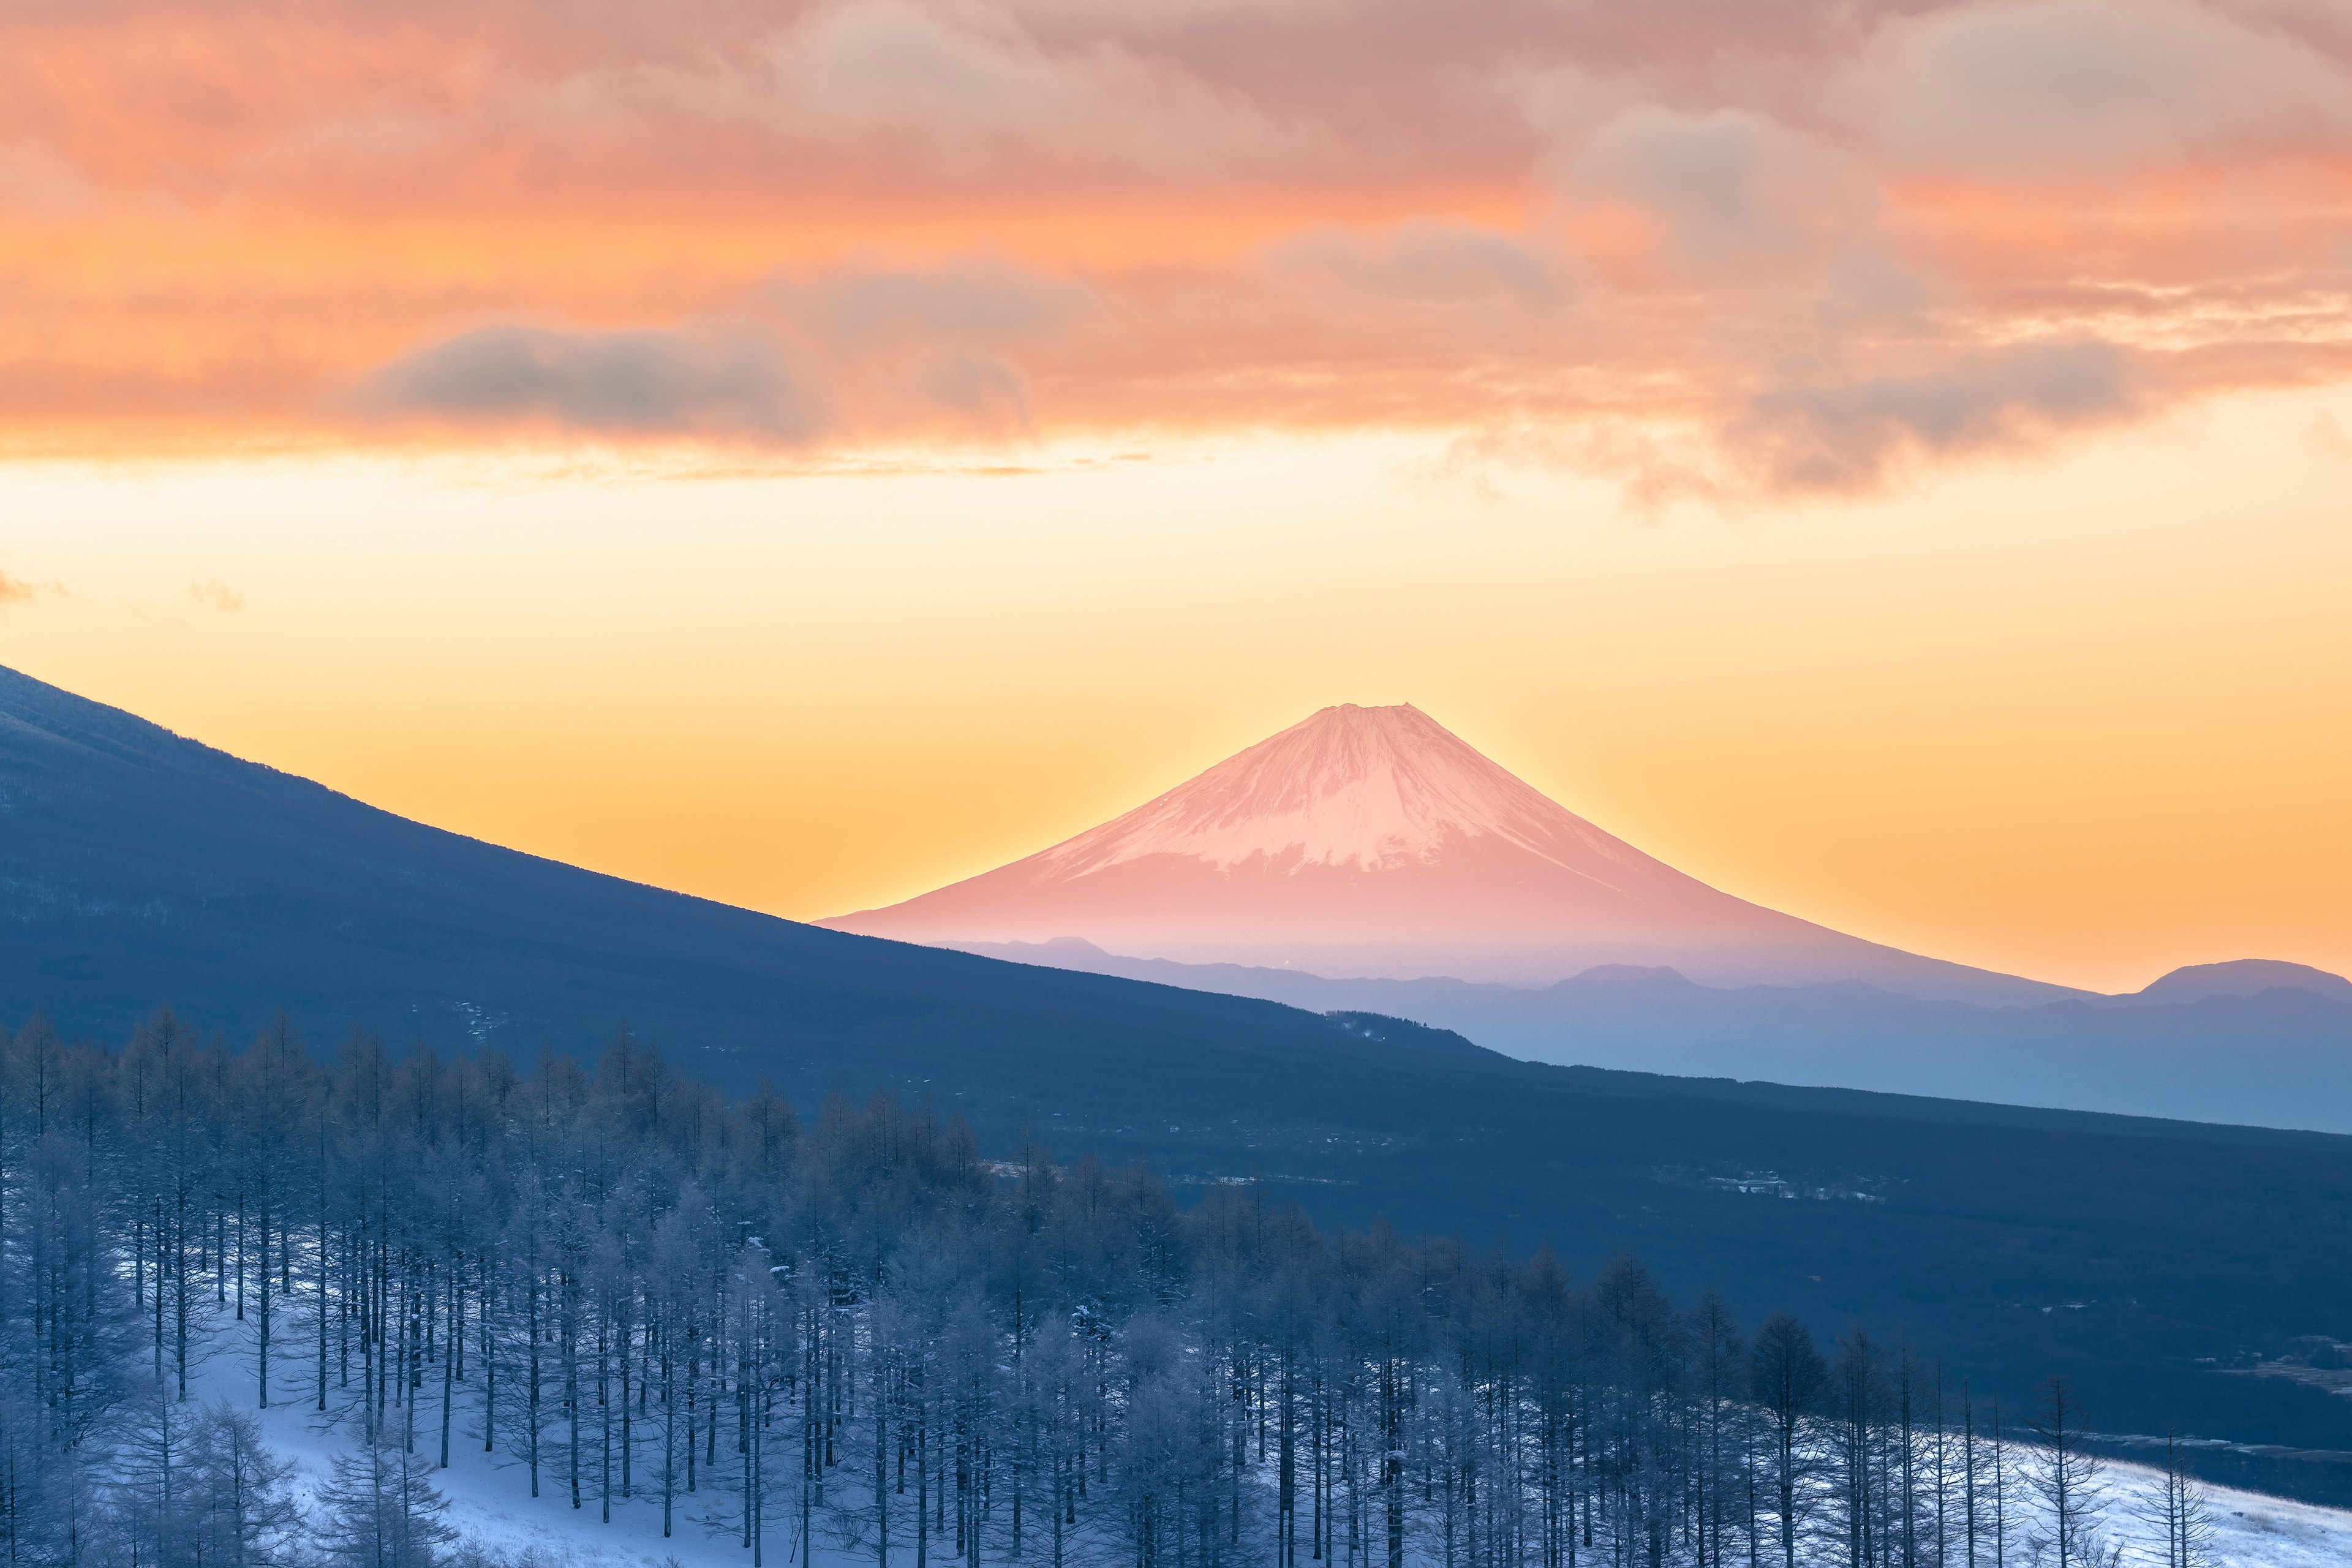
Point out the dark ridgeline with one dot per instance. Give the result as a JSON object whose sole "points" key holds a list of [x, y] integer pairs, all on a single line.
{"points": [[2278, 1054], [858, 1332], [138, 868]]}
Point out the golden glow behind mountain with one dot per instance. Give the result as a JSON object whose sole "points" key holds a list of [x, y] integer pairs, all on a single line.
{"points": [[1373, 841]]}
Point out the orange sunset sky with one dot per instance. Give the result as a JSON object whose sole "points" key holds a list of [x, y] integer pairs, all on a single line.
{"points": [[1894, 462]]}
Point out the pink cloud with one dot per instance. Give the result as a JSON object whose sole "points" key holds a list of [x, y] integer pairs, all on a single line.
{"points": [[2041, 89], [1804, 243]]}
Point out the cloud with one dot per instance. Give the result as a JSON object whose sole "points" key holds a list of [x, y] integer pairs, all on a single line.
{"points": [[1800, 436], [215, 594], [1725, 192], [850, 351], [1850, 434], [1430, 262], [709, 379], [14, 590], [2037, 89], [35, 180], [1789, 242], [965, 88], [971, 299]]}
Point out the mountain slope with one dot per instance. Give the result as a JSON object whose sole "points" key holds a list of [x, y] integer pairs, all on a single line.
{"points": [[1373, 841], [137, 868]]}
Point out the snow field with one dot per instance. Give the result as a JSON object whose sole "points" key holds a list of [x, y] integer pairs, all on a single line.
{"points": [[489, 1497], [491, 1507]]}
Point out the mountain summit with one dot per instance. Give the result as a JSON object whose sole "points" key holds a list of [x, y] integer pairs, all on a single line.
{"points": [[1374, 841], [1362, 789]]}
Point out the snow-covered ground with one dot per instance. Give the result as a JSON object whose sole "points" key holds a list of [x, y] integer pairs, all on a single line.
{"points": [[488, 1494], [2250, 1529], [490, 1501]]}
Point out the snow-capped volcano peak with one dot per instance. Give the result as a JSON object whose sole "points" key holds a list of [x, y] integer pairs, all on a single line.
{"points": [[1374, 841], [1369, 788], [1357, 825]]}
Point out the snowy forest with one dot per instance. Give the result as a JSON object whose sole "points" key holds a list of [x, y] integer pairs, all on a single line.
{"points": [[853, 1337]]}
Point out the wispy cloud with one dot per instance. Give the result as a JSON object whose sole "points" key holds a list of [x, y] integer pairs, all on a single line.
{"points": [[215, 594], [16, 590]]}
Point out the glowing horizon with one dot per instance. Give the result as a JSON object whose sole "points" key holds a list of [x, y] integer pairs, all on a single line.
{"points": [[1892, 465], [1985, 722]]}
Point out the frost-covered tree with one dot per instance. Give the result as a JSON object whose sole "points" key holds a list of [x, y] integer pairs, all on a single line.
{"points": [[2180, 1515], [154, 1501], [243, 1509], [2064, 1478], [850, 1331], [381, 1510], [1790, 1380]]}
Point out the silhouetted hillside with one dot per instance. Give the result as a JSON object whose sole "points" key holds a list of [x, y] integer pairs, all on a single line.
{"points": [[2142, 1257]]}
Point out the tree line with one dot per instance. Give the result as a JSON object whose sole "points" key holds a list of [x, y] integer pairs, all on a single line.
{"points": [[855, 1337]]}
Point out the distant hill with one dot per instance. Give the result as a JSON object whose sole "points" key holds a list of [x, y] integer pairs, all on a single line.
{"points": [[2241, 977], [2139, 1257], [2266, 1043], [1374, 841]]}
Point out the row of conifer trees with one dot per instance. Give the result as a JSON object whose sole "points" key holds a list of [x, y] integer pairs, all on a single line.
{"points": [[856, 1337]]}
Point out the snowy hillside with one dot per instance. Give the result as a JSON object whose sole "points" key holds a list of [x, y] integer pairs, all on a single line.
{"points": [[487, 1495], [2249, 1530], [491, 1507]]}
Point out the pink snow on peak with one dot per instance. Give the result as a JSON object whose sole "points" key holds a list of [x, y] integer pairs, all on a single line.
{"points": [[1369, 788], [1375, 842], [1360, 841]]}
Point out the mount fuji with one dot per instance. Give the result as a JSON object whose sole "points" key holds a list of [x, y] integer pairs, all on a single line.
{"points": [[1373, 842]]}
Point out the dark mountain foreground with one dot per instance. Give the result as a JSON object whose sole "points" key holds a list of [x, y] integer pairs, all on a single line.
{"points": [[2178, 1271]]}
